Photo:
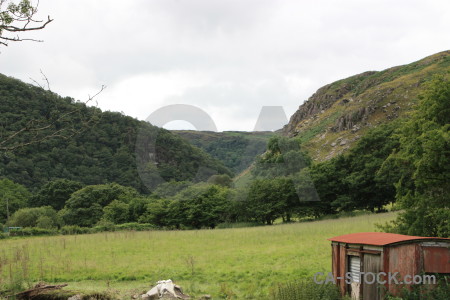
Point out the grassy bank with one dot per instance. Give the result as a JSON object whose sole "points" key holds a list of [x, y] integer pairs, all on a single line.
{"points": [[242, 263]]}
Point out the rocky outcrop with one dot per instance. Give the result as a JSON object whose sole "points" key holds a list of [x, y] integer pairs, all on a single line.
{"points": [[351, 120], [323, 99], [331, 118]]}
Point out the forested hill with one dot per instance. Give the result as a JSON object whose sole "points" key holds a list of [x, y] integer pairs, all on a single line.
{"points": [[74, 141], [236, 149], [340, 113]]}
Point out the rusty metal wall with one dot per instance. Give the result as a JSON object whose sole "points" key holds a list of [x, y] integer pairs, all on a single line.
{"points": [[335, 260], [406, 260], [436, 259], [339, 265], [343, 267]]}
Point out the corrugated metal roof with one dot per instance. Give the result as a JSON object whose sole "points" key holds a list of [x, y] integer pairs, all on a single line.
{"points": [[379, 238]]}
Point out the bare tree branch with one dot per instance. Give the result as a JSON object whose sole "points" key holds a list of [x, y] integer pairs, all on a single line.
{"points": [[44, 79], [18, 18], [26, 28], [18, 39]]}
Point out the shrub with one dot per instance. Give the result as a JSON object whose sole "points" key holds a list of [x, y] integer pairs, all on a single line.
{"points": [[116, 212], [306, 290], [441, 291], [103, 225], [45, 222], [16, 194], [135, 226], [46, 216], [85, 206], [238, 225], [73, 229], [32, 231]]}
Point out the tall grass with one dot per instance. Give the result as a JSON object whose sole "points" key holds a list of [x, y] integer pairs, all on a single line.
{"points": [[239, 263], [306, 290], [15, 269]]}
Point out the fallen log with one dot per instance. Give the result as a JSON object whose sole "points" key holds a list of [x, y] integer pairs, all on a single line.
{"points": [[38, 289]]}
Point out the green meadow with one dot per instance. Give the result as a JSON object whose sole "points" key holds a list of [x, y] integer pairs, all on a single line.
{"points": [[240, 263]]}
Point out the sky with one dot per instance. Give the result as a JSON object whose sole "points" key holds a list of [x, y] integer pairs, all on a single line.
{"points": [[227, 58]]}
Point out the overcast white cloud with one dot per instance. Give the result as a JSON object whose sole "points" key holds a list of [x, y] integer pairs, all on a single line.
{"points": [[229, 58]]}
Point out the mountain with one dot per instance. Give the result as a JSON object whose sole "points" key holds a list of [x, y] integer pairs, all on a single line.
{"points": [[73, 141], [338, 114], [235, 149]]}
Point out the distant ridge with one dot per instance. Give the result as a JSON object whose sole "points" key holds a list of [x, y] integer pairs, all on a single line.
{"points": [[104, 152], [338, 114]]}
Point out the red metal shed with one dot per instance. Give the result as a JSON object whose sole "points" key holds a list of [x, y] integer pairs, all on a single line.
{"points": [[383, 257]]}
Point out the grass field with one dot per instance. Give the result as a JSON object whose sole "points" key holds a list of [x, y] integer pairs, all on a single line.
{"points": [[242, 263]]}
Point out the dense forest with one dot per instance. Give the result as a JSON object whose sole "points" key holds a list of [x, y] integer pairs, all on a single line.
{"points": [[90, 146]]}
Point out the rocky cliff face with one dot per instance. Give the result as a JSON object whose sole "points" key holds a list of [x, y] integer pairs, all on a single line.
{"points": [[339, 113], [321, 100]]}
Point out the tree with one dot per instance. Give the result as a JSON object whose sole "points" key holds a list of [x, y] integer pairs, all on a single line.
{"points": [[201, 205], [424, 160], [137, 207], [157, 213], [223, 180], [85, 206], [282, 187], [17, 18], [368, 188], [288, 196], [170, 189], [47, 222], [13, 197], [283, 157], [357, 180], [55, 193], [328, 178], [116, 212], [308, 202], [43, 217], [265, 200]]}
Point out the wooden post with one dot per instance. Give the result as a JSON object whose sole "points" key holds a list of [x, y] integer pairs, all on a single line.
{"points": [[7, 209]]}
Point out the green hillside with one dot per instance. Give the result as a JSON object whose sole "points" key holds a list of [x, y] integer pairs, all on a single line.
{"points": [[81, 143], [235, 149], [340, 113]]}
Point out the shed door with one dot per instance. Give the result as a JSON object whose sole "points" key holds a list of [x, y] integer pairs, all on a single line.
{"points": [[372, 264], [354, 267]]}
